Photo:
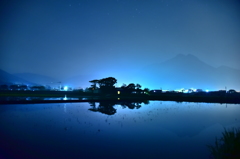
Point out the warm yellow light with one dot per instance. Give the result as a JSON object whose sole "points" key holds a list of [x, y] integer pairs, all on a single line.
{"points": [[118, 92]]}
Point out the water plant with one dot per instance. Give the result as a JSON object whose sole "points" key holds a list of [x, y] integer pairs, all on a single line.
{"points": [[228, 146]]}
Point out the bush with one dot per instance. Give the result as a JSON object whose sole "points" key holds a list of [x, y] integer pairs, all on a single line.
{"points": [[228, 146]]}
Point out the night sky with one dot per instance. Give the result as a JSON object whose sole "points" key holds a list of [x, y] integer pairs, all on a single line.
{"points": [[64, 38]]}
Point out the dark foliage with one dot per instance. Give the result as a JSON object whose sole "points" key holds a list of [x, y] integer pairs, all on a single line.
{"points": [[228, 146]]}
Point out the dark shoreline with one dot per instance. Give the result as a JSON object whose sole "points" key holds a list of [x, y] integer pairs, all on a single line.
{"points": [[7, 96]]}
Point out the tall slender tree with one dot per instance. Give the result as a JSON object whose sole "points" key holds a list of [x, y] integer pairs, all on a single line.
{"points": [[94, 84]]}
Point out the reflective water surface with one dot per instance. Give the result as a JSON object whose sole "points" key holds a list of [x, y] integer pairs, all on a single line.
{"points": [[152, 129], [37, 98]]}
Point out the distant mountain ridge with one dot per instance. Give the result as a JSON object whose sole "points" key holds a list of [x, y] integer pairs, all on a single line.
{"points": [[37, 78], [187, 71], [181, 71], [25, 78], [7, 78]]}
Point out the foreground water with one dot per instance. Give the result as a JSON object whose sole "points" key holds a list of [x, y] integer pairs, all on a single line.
{"points": [[109, 130]]}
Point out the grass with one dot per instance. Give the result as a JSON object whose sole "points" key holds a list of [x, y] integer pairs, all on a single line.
{"points": [[228, 146]]}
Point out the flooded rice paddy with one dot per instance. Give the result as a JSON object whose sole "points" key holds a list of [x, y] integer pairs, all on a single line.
{"points": [[153, 129]]}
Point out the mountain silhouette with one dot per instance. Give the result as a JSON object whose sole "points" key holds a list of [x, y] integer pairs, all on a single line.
{"points": [[181, 71], [7, 78], [188, 71], [37, 78]]}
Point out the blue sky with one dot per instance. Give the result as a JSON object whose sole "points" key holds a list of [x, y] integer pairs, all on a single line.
{"points": [[63, 38]]}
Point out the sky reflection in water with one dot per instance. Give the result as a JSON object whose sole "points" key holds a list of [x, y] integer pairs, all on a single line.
{"points": [[154, 130]]}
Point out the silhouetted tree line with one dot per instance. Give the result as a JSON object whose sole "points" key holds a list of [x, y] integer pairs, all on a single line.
{"points": [[106, 85], [134, 89]]}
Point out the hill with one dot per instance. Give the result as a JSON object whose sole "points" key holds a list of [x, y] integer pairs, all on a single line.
{"points": [[7, 78], [188, 71], [37, 78]]}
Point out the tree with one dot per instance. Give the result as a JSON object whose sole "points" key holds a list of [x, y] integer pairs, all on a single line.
{"points": [[231, 91], [13, 87], [23, 87], [107, 82], [124, 86], [138, 86], [38, 88], [131, 86], [94, 85], [4, 87], [146, 90]]}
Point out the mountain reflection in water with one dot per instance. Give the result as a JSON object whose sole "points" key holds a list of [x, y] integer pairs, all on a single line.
{"points": [[113, 129]]}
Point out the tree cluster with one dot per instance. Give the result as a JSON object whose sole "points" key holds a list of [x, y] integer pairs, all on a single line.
{"points": [[106, 85], [134, 89]]}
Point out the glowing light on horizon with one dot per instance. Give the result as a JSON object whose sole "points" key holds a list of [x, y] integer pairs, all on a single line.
{"points": [[165, 90], [193, 89], [65, 88]]}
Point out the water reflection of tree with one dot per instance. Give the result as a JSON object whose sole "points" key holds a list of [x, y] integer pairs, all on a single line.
{"points": [[131, 105], [107, 107], [104, 107]]}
